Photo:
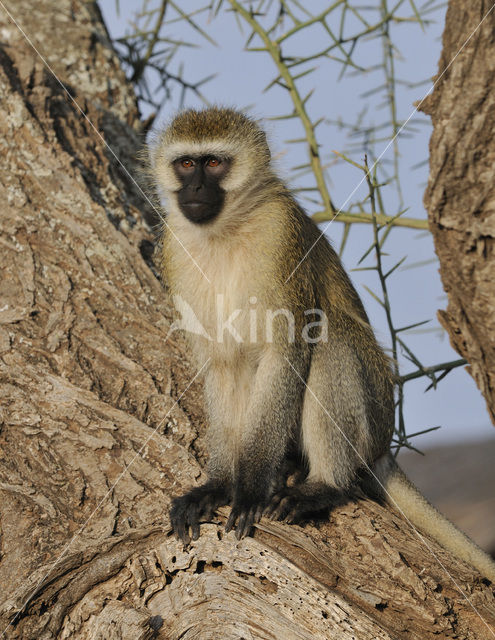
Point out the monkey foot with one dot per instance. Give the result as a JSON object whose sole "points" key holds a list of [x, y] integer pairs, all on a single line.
{"points": [[245, 515], [199, 503], [297, 503]]}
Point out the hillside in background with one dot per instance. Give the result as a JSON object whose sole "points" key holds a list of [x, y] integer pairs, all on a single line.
{"points": [[460, 481]]}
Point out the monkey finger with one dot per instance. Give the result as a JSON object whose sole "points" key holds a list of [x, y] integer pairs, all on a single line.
{"points": [[231, 520], [272, 505], [182, 531], [178, 520], [206, 508], [174, 523], [245, 524], [192, 516], [282, 509], [291, 517], [195, 530], [258, 513], [208, 513], [191, 521], [298, 514], [242, 525]]}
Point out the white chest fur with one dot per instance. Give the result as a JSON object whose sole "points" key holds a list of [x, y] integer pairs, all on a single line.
{"points": [[216, 287]]}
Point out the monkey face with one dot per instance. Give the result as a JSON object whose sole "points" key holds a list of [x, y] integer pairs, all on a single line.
{"points": [[201, 197]]}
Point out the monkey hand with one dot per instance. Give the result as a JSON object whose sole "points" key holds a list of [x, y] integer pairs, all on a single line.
{"points": [[199, 503], [247, 508]]}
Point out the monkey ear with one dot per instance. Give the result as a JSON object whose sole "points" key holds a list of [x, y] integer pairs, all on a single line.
{"points": [[266, 151]]}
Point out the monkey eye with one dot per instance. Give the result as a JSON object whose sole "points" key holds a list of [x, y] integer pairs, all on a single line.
{"points": [[187, 163], [213, 162]]}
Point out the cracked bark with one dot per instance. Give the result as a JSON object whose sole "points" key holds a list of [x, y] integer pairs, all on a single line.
{"points": [[86, 376], [460, 198]]}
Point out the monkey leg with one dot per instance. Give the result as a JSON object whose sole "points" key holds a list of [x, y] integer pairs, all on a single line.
{"points": [[270, 421], [253, 491], [197, 504], [297, 503], [254, 488], [335, 434]]}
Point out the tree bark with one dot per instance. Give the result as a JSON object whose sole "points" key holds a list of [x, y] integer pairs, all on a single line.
{"points": [[101, 420], [460, 198]]}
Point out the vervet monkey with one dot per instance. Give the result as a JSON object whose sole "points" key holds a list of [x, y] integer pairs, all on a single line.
{"points": [[279, 386]]}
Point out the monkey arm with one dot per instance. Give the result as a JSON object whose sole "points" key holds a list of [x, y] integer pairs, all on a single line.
{"points": [[271, 421], [226, 394]]}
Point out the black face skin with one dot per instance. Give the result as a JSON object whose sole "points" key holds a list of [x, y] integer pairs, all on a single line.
{"points": [[201, 197]]}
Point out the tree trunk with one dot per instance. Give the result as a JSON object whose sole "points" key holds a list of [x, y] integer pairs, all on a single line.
{"points": [[101, 418], [460, 198]]}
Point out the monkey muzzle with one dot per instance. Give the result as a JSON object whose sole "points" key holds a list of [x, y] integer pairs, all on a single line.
{"points": [[201, 208]]}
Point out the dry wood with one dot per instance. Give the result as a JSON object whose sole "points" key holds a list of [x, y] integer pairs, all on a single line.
{"points": [[89, 385], [460, 198]]}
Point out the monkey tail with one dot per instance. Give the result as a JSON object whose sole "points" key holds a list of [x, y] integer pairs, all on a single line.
{"points": [[402, 494]]}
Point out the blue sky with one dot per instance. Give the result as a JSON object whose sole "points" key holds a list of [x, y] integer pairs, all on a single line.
{"points": [[416, 293]]}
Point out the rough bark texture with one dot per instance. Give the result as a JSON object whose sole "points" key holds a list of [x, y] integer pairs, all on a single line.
{"points": [[100, 423], [460, 198]]}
